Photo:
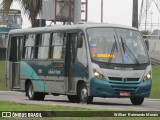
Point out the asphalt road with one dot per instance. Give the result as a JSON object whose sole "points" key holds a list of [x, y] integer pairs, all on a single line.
{"points": [[98, 103]]}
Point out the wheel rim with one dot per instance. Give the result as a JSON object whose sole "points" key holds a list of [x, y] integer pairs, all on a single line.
{"points": [[30, 91], [84, 94]]}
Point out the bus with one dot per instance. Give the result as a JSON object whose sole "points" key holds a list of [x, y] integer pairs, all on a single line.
{"points": [[8, 21], [3, 42], [12, 19], [81, 61]]}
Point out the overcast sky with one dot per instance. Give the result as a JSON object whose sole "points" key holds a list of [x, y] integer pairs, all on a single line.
{"points": [[115, 11]]}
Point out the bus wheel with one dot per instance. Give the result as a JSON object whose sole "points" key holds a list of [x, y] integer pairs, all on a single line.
{"points": [[83, 94], [73, 98], [34, 95], [137, 100]]}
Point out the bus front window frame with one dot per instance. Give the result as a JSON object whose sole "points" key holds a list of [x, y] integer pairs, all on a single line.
{"points": [[99, 57]]}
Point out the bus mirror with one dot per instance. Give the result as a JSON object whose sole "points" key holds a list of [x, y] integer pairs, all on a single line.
{"points": [[147, 44], [80, 40]]}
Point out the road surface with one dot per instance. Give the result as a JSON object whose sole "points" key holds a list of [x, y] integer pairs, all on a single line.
{"points": [[98, 103]]}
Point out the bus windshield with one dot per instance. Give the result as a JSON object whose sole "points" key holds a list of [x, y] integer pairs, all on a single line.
{"points": [[117, 45]]}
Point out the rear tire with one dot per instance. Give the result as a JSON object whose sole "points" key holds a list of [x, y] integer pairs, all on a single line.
{"points": [[34, 95], [83, 94], [137, 100], [73, 98]]}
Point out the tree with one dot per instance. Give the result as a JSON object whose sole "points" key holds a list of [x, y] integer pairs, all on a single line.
{"points": [[144, 32], [30, 7]]}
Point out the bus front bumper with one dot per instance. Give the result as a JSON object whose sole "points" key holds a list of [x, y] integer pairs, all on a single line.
{"points": [[104, 88]]}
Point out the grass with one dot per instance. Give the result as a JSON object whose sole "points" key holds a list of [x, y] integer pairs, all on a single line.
{"points": [[2, 76], [61, 112], [155, 91], [12, 106]]}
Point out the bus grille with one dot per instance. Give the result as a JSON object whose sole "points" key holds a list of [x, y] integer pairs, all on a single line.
{"points": [[124, 84], [123, 79]]}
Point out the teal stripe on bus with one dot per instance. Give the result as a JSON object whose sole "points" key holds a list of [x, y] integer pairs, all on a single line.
{"points": [[30, 73]]}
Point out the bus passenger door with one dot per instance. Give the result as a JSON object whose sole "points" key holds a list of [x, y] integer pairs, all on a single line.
{"points": [[14, 62], [71, 52]]}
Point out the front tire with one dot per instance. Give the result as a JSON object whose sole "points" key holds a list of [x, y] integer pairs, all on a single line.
{"points": [[83, 94], [137, 100], [34, 95]]}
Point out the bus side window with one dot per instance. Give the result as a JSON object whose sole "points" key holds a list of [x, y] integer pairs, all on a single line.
{"points": [[58, 46], [42, 46], [38, 42], [82, 54], [28, 46]]}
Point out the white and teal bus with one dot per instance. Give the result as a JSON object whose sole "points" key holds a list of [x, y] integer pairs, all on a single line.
{"points": [[81, 61]]}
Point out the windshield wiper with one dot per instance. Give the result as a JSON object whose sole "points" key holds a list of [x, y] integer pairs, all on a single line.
{"points": [[130, 53], [112, 50]]}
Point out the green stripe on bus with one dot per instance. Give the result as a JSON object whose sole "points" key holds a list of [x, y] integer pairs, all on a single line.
{"points": [[30, 73]]}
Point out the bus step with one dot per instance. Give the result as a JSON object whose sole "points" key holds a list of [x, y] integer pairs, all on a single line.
{"points": [[15, 89], [71, 92]]}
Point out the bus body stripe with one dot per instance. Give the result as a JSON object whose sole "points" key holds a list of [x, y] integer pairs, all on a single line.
{"points": [[30, 73]]}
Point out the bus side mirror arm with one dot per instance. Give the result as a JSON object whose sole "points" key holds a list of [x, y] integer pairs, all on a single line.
{"points": [[147, 44], [79, 40]]}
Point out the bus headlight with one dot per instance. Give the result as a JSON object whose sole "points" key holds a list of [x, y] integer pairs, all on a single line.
{"points": [[98, 75], [147, 77]]}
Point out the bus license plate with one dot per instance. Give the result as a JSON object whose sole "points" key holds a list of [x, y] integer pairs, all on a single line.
{"points": [[125, 94]]}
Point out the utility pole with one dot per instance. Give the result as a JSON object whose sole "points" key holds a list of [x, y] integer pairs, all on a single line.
{"points": [[77, 11], [135, 14], [101, 11], [146, 15]]}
